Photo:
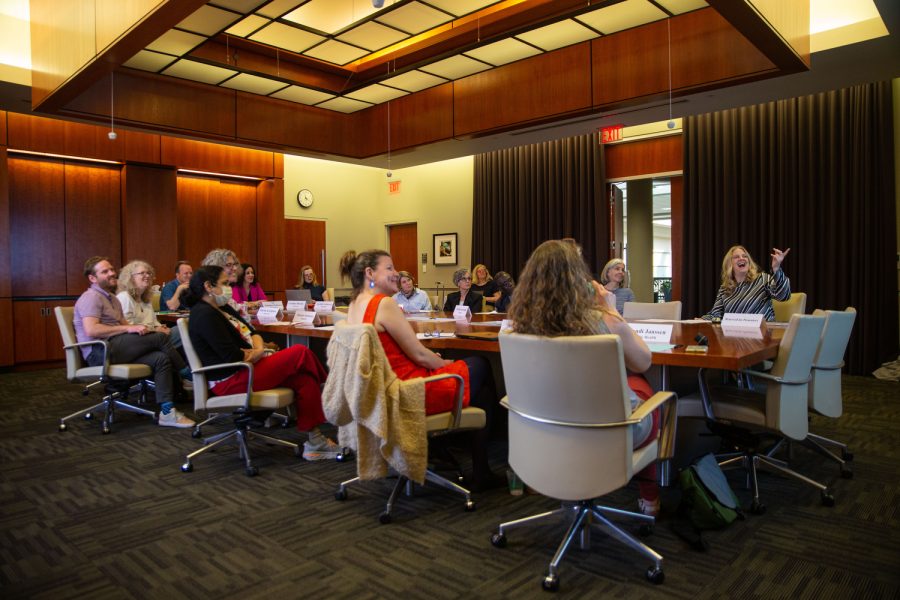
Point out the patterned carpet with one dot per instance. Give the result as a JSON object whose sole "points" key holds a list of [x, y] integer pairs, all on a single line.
{"points": [[83, 515]]}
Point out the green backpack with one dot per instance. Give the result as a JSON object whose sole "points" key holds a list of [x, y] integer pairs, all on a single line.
{"points": [[707, 500]]}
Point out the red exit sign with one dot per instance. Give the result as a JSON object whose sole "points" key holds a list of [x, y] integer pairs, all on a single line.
{"points": [[613, 133], [393, 187]]}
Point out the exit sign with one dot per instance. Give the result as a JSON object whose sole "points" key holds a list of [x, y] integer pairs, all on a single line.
{"points": [[613, 133], [393, 187]]}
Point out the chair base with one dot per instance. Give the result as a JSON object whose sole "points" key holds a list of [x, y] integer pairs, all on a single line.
{"points": [[404, 483], [818, 444], [753, 461], [242, 434], [583, 516], [108, 405]]}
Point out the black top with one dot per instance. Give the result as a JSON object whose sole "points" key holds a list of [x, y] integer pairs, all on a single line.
{"points": [[215, 339], [315, 291], [502, 305], [473, 301], [488, 289]]}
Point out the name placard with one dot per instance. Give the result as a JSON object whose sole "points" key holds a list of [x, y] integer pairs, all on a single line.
{"points": [[653, 332], [304, 318], [277, 303], [295, 305], [462, 313], [324, 306], [269, 314], [741, 320], [505, 324]]}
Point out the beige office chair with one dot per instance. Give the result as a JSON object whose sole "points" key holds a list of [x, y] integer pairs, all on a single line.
{"points": [[359, 370], [241, 406], [330, 292], [795, 305], [746, 418], [118, 379], [570, 434], [652, 310], [154, 300], [825, 384]]}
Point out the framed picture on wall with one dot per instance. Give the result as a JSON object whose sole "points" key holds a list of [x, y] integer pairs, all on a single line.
{"points": [[446, 249]]}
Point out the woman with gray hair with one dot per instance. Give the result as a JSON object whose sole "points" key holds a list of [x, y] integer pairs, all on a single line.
{"points": [[613, 279], [462, 279]]}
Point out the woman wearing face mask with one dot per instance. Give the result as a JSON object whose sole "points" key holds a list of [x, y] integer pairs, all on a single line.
{"points": [[410, 298], [745, 289], [220, 336], [613, 279]]}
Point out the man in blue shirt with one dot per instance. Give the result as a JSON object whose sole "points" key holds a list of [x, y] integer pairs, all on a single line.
{"points": [[170, 296]]}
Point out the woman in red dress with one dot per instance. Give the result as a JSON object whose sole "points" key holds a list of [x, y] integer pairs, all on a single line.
{"points": [[374, 281]]}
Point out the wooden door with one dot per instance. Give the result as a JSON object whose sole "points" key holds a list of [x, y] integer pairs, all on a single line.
{"points": [[304, 244], [29, 322], [404, 248]]}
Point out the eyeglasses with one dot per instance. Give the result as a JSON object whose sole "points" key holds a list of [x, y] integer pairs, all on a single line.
{"points": [[230, 265], [465, 279], [432, 334], [143, 274]]}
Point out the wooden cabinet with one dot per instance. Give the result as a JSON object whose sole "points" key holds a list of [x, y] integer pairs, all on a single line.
{"points": [[36, 334]]}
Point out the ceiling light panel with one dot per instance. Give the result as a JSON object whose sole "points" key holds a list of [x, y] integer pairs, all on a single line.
{"points": [[149, 61], [455, 67], [331, 16], [413, 81], [176, 42], [677, 7], [376, 94], [241, 6], [414, 18], [503, 52], [208, 20], [623, 15], [254, 84], [247, 26], [336, 52], [275, 9], [302, 95], [196, 71], [460, 7], [344, 105], [287, 37], [558, 35], [372, 36]]}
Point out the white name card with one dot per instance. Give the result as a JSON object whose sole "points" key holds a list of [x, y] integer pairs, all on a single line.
{"points": [[741, 320], [269, 314], [506, 324], [277, 303], [295, 305], [324, 306], [462, 313], [304, 318], [653, 332]]}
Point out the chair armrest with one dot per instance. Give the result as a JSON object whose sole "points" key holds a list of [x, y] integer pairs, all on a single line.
{"points": [[651, 404], [238, 365], [626, 423], [460, 394], [104, 368], [668, 420], [770, 377]]}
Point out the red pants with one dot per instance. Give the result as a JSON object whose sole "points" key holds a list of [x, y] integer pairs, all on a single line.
{"points": [[296, 368], [647, 477]]}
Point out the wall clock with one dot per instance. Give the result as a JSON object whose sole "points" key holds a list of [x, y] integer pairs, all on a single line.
{"points": [[305, 198]]}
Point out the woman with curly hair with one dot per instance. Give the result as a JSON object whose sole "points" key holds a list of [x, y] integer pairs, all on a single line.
{"points": [[135, 290], [555, 297], [745, 289]]}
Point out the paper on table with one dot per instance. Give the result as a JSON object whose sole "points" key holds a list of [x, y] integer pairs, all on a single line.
{"points": [[431, 336], [660, 347], [489, 323]]}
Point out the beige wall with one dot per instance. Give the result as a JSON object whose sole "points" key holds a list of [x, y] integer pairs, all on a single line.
{"points": [[355, 204]]}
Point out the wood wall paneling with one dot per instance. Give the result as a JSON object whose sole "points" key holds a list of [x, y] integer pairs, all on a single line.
{"points": [[37, 227], [534, 89], [7, 333], [422, 118], [62, 41], [238, 229], [289, 125], [30, 332], [3, 118], [706, 50], [91, 141], [115, 17], [790, 20], [199, 218], [676, 199], [278, 162], [5, 281], [644, 157], [304, 241], [149, 217], [37, 134], [93, 219], [216, 158], [141, 147], [270, 234]]}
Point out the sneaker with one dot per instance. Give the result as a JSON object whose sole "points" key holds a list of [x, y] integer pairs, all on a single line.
{"points": [[649, 507], [321, 451], [516, 487], [175, 418]]}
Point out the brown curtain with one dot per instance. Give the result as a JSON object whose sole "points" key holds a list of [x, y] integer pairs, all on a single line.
{"points": [[815, 174], [529, 194]]}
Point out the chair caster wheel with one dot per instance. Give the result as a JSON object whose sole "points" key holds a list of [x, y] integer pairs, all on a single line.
{"points": [[655, 575], [384, 518], [196, 434], [645, 529], [345, 455], [550, 582], [827, 499], [757, 508], [470, 506], [847, 455], [88, 416], [498, 540], [251, 471], [340, 495], [105, 429], [63, 427], [187, 467], [846, 473]]}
